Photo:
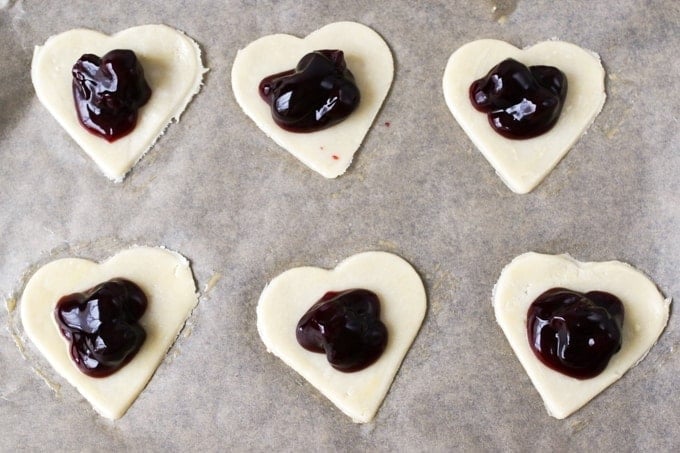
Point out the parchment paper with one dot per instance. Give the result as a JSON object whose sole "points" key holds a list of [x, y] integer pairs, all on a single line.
{"points": [[216, 189]]}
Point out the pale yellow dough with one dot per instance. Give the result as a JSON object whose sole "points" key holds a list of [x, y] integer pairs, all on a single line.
{"points": [[167, 281], [529, 275], [172, 67], [522, 164], [403, 305], [329, 151]]}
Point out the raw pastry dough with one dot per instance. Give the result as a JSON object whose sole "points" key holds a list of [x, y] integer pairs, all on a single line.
{"points": [[403, 304], [329, 151], [522, 164], [166, 279], [530, 274], [172, 67]]}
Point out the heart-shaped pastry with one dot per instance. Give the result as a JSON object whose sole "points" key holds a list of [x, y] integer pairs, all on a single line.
{"points": [[522, 164], [164, 277], [403, 303], [531, 274], [172, 67], [328, 151]]}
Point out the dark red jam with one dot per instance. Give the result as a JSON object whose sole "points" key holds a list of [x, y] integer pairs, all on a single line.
{"points": [[521, 102], [108, 92], [346, 326], [318, 93], [575, 333], [101, 325]]}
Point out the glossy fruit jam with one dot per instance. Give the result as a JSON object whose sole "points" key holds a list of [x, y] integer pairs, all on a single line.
{"points": [[101, 325], [520, 102], [108, 92], [575, 333], [346, 327], [317, 94]]}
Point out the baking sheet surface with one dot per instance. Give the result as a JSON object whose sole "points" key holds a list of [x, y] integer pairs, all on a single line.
{"points": [[243, 210]]}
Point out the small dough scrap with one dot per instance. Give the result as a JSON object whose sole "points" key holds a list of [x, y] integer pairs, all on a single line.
{"points": [[529, 275], [523, 164], [328, 151], [403, 304], [167, 281], [172, 67]]}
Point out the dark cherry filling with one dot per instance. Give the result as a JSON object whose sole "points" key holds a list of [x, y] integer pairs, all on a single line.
{"points": [[318, 93], [521, 102], [575, 333], [108, 92], [101, 325], [346, 326]]}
